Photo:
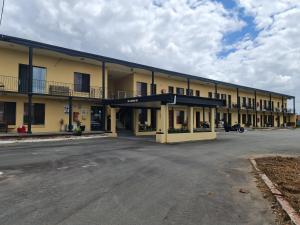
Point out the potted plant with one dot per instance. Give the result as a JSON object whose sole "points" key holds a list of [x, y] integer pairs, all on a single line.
{"points": [[78, 131]]}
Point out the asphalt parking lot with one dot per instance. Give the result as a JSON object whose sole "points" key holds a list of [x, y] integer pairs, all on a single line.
{"points": [[129, 181]]}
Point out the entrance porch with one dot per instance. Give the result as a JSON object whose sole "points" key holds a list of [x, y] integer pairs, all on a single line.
{"points": [[170, 118]]}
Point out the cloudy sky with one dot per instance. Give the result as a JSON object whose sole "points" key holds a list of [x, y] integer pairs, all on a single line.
{"points": [[249, 42]]}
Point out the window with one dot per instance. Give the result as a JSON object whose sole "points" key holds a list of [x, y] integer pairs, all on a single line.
{"points": [[180, 91], [81, 82], [180, 117], [171, 90], [190, 92], [249, 102], [154, 89], [278, 105], [265, 104], [217, 95], [37, 114], [229, 100], [8, 113], [198, 93], [38, 79], [260, 102], [141, 88], [223, 96], [244, 101], [210, 94]]}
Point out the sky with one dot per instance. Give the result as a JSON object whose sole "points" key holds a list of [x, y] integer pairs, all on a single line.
{"points": [[248, 42]]}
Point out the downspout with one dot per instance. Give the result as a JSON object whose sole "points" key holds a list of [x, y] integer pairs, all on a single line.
{"points": [[174, 101]]}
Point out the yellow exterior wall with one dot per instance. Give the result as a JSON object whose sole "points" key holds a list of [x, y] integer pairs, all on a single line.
{"points": [[54, 112], [58, 69]]}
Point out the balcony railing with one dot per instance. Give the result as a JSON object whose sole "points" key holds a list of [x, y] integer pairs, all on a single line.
{"points": [[53, 88]]}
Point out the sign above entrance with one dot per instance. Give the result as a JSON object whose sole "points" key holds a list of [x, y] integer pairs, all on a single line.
{"points": [[132, 100]]}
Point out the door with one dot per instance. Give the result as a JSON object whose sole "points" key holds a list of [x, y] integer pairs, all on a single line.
{"points": [[153, 119], [197, 119], [23, 78], [229, 101], [96, 114]]}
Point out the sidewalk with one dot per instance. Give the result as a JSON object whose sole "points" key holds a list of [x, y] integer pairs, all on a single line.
{"points": [[11, 138]]}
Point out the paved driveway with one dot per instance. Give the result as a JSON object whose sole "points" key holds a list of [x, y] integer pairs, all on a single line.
{"points": [[135, 182]]}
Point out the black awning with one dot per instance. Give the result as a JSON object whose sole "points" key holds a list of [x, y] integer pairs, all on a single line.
{"points": [[155, 101]]}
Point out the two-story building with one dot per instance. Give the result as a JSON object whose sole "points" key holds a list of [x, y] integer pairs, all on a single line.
{"points": [[48, 88]]}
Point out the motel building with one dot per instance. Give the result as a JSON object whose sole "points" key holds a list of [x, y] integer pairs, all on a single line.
{"points": [[50, 89]]}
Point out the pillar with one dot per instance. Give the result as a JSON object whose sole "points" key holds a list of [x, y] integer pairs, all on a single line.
{"points": [[135, 121], [164, 122], [191, 120], [103, 80], [113, 120], [152, 83], [30, 76], [158, 124], [212, 119]]}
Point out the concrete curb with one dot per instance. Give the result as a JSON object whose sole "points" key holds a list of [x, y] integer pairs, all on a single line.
{"points": [[37, 140], [278, 195]]}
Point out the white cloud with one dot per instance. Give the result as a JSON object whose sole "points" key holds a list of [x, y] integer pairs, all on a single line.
{"points": [[173, 34]]}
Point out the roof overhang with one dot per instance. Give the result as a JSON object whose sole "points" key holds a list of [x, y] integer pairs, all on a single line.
{"points": [[100, 58], [155, 101]]}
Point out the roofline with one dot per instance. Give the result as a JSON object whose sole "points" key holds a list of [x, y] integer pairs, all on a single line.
{"points": [[76, 53]]}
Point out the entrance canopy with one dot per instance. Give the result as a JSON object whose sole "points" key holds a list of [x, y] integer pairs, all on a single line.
{"points": [[155, 101]]}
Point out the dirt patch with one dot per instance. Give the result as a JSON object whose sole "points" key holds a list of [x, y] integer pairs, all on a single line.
{"points": [[281, 218], [284, 172]]}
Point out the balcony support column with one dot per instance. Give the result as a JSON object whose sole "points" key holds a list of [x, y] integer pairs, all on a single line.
{"points": [[152, 84], [188, 87], [70, 126], [191, 119], [270, 103], [212, 119], [282, 108], [103, 80], [30, 76], [216, 108]]}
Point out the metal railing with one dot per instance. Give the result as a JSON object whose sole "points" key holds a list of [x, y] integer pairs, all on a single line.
{"points": [[8, 83], [53, 88]]}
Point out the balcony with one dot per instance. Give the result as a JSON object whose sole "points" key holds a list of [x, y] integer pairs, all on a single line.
{"points": [[42, 87], [235, 105], [287, 110]]}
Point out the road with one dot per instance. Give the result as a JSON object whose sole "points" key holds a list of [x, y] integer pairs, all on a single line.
{"points": [[133, 181]]}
